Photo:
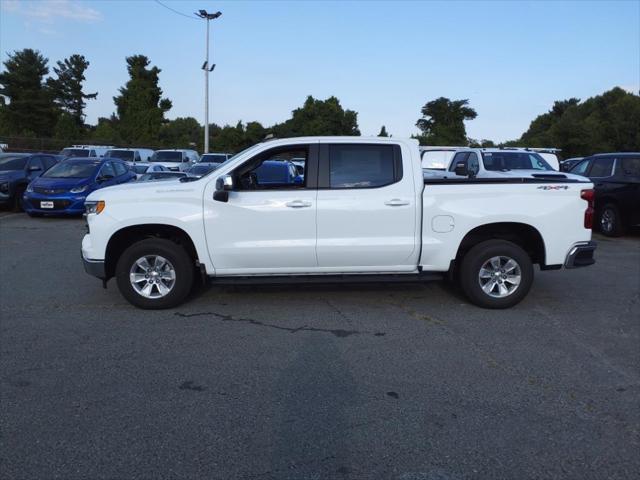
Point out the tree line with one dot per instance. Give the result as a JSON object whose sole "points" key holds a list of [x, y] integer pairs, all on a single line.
{"points": [[36, 102]]}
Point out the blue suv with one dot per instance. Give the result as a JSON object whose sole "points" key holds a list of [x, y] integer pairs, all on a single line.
{"points": [[17, 170], [63, 188]]}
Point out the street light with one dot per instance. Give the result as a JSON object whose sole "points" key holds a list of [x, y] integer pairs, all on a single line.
{"points": [[207, 69]]}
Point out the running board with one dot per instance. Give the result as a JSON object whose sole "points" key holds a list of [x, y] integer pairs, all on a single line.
{"points": [[327, 279]]}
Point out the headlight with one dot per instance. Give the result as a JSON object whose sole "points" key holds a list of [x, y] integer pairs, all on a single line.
{"points": [[94, 207], [4, 187], [79, 189], [30, 188]]}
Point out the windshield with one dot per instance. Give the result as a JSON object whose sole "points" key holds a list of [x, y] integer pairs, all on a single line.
{"points": [[202, 169], [75, 152], [137, 168], [13, 163], [496, 161], [166, 157], [121, 154], [214, 157], [160, 176], [72, 169], [242, 152]]}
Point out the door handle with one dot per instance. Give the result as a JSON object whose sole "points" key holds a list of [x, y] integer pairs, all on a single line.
{"points": [[298, 204], [396, 202]]}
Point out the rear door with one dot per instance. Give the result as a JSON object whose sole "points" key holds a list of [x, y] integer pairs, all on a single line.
{"points": [[366, 208]]}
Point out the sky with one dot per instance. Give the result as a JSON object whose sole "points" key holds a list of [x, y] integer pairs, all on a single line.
{"points": [[383, 59]]}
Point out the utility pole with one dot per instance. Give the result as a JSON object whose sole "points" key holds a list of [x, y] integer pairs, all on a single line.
{"points": [[207, 69]]}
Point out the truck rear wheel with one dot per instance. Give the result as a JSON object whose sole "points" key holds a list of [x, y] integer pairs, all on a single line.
{"points": [[155, 274], [496, 274]]}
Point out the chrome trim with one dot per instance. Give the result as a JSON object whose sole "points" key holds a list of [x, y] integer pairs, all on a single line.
{"points": [[572, 260]]}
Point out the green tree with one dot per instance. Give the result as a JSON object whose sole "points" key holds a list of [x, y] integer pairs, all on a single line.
{"points": [[107, 132], [67, 87], [383, 132], [442, 122], [319, 117], [30, 108], [140, 105], [604, 123], [181, 133], [66, 128]]}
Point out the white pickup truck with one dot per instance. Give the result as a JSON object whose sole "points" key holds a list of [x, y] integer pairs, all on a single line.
{"points": [[495, 163], [362, 212]]}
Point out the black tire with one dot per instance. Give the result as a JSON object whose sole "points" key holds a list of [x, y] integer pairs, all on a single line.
{"points": [[17, 200], [474, 260], [610, 221], [178, 257], [34, 214]]}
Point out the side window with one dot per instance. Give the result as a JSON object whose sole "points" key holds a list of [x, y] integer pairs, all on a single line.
{"points": [[107, 170], [119, 168], [581, 168], [362, 166], [602, 167], [136, 157], [460, 157], [273, 170], [36, 162], [473, 165], [630, 166]]}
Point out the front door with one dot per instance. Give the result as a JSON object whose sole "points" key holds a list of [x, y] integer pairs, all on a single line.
{"points": [[268, 224]]}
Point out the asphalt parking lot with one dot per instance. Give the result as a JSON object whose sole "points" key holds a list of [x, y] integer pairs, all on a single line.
{"points": [[402, 381]]}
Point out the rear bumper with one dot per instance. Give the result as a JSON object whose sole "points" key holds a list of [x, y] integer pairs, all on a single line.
{"points": [[581, 255]]}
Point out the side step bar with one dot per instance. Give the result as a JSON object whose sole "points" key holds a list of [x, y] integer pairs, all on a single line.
{"points": [[327, 279]]}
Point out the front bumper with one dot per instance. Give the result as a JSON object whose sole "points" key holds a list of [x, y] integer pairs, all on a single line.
{"points": [[67, 204], [581, 255], [94, 267]]}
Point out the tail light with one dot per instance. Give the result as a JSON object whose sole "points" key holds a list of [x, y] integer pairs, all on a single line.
{"points": [[588, 195]]}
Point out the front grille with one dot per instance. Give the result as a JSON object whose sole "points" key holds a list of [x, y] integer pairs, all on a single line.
{"points": [[57, 204], [49, 191]]}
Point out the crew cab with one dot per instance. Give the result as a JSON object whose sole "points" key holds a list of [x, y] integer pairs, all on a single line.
{"points": [[497, 163], [362, 212]]}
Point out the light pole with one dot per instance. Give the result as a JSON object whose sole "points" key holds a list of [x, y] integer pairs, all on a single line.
{"points": [[207, 69]]}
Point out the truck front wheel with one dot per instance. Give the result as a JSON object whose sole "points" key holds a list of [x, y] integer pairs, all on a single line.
{"points": [[155, 273], [496, 274]]}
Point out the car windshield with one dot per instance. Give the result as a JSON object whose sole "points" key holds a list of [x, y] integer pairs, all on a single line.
{"points": [[75, 152], [72, 169], [160, 176], [166, 157], [514, 161], [213, 158], [137, 168], [13, 163], [202, 169], [121, 154]]}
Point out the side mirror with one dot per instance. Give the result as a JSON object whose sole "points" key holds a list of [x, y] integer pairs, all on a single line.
{"points": [[224, 185], [461, 169]]}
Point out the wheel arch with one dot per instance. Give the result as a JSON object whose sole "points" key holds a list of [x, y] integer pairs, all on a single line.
{"points": [[524, 235], [127, 236]]}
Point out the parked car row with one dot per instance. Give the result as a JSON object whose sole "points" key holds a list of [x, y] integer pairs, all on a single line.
{"points": [[44, 184], [616, 176]]}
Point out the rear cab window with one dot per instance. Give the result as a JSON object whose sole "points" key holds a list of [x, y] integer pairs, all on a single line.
{"points": [[362, 166]]}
